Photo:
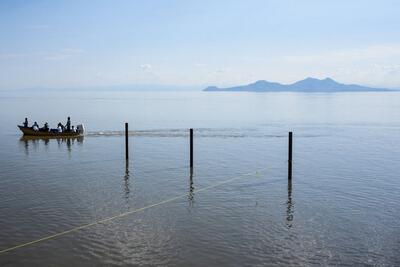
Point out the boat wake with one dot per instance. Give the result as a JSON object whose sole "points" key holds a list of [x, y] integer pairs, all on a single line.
{"points": [[200, 132]]}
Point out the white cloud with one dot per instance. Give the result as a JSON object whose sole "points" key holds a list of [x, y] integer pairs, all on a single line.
{"points": [[374, 65], [57, 57], [72, 50], [63, 54], [10, 55], [395, 68], [376, 52], [222, 70], [145, 67]]}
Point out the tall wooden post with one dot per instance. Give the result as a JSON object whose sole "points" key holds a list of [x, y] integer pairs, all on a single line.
{"points": [[126, 141], [191, 148], [290, 155]]}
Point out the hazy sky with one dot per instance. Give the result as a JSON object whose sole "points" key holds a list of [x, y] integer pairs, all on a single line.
{"points": [[85, 43]]}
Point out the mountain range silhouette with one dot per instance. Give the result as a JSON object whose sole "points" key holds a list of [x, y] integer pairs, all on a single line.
{"points": [[306, 85]]}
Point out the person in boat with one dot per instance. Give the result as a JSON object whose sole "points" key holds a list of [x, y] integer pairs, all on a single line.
{"points": [[45, 127], [26, 123], [68, 125], [35, 126], [60, 127]]}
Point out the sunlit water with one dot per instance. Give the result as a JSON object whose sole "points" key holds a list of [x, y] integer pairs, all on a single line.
{"points": [[343, 206]]}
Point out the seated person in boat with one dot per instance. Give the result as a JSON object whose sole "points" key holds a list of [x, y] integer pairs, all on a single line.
{"points": [[45, 127], [60, 127], [35, 126], [26, 123]]}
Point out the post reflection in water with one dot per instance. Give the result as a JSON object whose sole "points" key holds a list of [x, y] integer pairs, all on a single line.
{"points": [[290, 206], [191, 188], [126, 180]]}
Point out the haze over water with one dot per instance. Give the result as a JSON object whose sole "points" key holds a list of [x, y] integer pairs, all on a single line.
{"points": [[342, 207]]}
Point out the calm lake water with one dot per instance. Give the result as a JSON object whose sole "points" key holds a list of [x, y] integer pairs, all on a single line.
{"points": [[236, 209]]}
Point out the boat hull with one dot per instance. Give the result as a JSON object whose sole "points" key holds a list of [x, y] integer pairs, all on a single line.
{"points": [[30, 132]]}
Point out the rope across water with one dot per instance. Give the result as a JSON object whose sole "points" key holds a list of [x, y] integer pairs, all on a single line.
{"points": [[74, 229]]}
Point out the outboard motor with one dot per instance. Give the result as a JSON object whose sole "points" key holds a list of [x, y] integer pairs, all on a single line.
{"points": [[80, 128]]}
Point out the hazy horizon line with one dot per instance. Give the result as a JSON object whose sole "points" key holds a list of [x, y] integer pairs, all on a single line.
{"points": [[161, 87]]}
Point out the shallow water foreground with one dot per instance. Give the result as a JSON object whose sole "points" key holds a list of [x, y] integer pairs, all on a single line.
{"points": [[236, 208]]}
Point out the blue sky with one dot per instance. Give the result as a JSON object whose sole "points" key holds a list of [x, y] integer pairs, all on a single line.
{"points": [[197, 43]]}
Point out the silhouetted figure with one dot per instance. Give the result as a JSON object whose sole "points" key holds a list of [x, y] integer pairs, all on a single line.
{"points": [[26, 123], [46, 127], [35, 126], [68, 125]]}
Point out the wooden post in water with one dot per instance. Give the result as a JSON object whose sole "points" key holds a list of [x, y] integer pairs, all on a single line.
{"points": [[290, 156], [191, 148], [126, 141]]}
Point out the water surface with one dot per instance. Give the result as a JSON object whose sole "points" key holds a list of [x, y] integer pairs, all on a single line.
{"points": [[341, 208]]}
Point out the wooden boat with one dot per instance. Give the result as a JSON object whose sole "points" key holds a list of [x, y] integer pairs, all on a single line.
{"points": [[30, 132]]}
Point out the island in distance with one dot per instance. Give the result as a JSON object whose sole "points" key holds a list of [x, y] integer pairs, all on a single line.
{"points": [[306, 85]]}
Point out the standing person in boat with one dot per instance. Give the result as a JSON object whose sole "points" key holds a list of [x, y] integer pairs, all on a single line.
{"points": [[68, 125], [26, 123], [35, 126]]}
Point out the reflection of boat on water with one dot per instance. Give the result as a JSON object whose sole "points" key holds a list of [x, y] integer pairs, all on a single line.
{"points": [[34, 143], [28, 131], [33, 138]]}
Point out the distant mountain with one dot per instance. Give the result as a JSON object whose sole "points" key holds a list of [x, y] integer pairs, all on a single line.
{"points": [[306, 85]]}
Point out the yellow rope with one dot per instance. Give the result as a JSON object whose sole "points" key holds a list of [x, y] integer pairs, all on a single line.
{"points": [[120, 215]]}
